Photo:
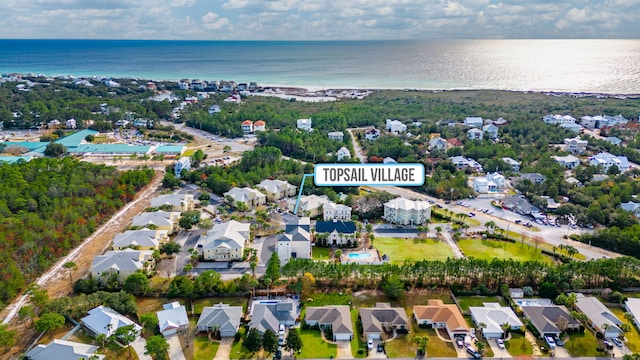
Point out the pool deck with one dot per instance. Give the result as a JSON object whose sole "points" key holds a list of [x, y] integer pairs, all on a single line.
{"points": [[374, 259]]}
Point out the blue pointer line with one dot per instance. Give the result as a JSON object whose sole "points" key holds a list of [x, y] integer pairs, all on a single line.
{"points": [[304, 178]]}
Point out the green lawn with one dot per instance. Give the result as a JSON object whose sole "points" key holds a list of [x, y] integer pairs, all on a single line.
{"points": [[314, 347], [436, 346], [320, 253], [632, 338], [240, 352], [582, 344], [518, 345], [321, 299], [357, 342], [467, 301], [412, 249], [403, 347], [199, 304], [203, 348], [490, 249]]}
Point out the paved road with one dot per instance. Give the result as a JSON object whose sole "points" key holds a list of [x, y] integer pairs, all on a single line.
{"points": [[356, 146], [454, 246]]}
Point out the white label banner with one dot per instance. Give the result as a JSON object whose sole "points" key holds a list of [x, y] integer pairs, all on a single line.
{"points": [[369, 174]]}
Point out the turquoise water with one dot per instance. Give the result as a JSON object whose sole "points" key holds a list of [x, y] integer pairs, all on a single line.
{"points": [[359, 255], [605, 66]]}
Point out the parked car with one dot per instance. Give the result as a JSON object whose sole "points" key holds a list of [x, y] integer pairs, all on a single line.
{"points": [[471, 214], [559, 342], [380, 348], [460, 343], [370, 344], [550, 342], [617, 342], [608, 345], [500, 343], [475, 354]]}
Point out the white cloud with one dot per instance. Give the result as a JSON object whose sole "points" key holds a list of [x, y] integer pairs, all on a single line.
{"points": [[212, 21]]}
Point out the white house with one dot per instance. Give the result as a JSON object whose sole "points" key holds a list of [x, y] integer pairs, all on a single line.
{"points": [[247, 127], [606, 160], [558, 119], [184, 163], [214, 109], [248, 196], [304, 124], [372, 134], [337, 232], [593, 122], [336, 135], [462, 162], [515, 165], [473, 121], [599, 317], [572, 127], [64, 350], [310, 205], [105, 320], [333, 211], [475, 134], [575, 145], [492, 315], [395, 126], [160, 220], [632, 207], [489, 183], [259, 125], [294, 244], [225, 241], [568, 161], [277, 189], [491, 131], [632, 305], [613, 140], [177, 202], [143, 239], [343, 153], [121, 263], [437, 143], [172, 319], [221, 317], [402, 211]]}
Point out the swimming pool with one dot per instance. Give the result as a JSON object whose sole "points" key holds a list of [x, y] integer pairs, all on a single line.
{"points": [[534, 302], [359, 255]]}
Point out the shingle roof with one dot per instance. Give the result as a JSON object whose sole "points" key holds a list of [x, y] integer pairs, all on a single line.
{"points": [[437, 311], [104, 320], [64, 350], [545, 318], [225, 317], [173, 316], [337, 315], [374, 318], [341, 227]]}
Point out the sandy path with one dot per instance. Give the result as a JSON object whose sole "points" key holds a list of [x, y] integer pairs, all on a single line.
{"points": [[56, 279]]}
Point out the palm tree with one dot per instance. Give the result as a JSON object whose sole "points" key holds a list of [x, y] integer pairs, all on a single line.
{"points": [[629, 317], [490, 225]]}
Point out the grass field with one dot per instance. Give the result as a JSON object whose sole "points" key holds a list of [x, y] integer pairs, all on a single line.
{"points": [[632, 338], [490, 249], [582, 344], [320, 253], [436, 346], [468, 301], [204, 349], [314, 347], [518, 345], [412, 249]]}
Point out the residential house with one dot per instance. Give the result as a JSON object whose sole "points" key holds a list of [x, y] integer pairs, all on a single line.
{"points": [[159, 220], [568, 161], [270, 314], [310, 205], [474, 134], [389, 160], [575, 145], [606, 160], [336, 135], [403, 211], [500, 122], [446, 122], [303, 222], [632, 305], [559, 119], [172, 319], [277, 189], [214, 109], [439, 315], [121, 263], [613, 140], [197, 84], [247, 127], [395, 126], [184, 84], [616, 120], [382, 318], [233, 98], [515, 165], [516, 293], [64, 350], [336, 232], [550, 320], [294, 244], [535, 178], [572, 127], [492, 315], [489, 183], [437, 143], [304, 124], [220, 317], [333, 211], [473, 121], [491, 131], [175, 202], [248, 196], [343, 153], [599, 317], [454, 142], [334, 317], [519, 204], [372, 134], [593, 122], [259, 125], [632, 207], [105, 320], [225, 241], [143, 239], [184, 163], [462, 162]]}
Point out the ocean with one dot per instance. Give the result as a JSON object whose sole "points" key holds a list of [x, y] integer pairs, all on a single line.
{"points": [[596, 66]]}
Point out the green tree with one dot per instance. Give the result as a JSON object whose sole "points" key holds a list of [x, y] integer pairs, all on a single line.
{"points": [[189, 219], [55, 150], [422, 343], [181, 286], [393, 287], [136, 284], [7, 337], [49, 322], [270, 341], [253, 340], [71, 266], [169, 248], [149, 322], [125, 335], [273, 267], [26, 312], [157, 347], [293, 341]]}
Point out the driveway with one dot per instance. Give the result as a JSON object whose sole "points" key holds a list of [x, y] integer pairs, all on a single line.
{"points": [[175, 348], [139, 347], [344, 350], [224, 349], [498, 352]]}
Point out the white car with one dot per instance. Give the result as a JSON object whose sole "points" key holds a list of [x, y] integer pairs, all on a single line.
{"points": [[370, 344], [500, 343]]}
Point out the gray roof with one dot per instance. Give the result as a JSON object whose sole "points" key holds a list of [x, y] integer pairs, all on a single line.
{"points": [[158, 218], [597, 313], [338, 316], [171, 199], [296, 234], [123, 260], [231, 234], [545, 318], [373, 319], [223, 316], [268, 316], [142, 237], [173, 316], [63, 350], [101, 317]]}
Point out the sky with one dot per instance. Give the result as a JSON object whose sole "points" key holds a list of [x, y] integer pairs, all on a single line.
{"points": [[318, 19]]}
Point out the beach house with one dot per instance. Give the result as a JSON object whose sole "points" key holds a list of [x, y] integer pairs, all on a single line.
{"points": [[184, 163], [606, 161], [174, 202], [473, 121], [277, 189], [333, 211], [439, 315], [143, 239], [225, 241], [334, 317], [401, 211], [105, 320], [121, 264], [304, 124], [377, 320], [395, 126], [336, 232], [493, 316], [575, 145], [294, 244], [63, 349], [220, 317], [250, 197], [336, 135], [172, 319], [599, 317]]}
